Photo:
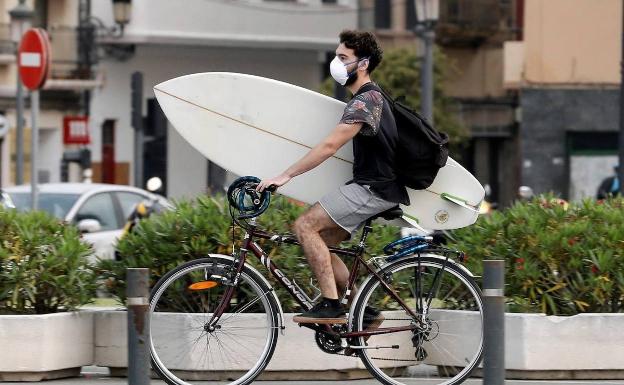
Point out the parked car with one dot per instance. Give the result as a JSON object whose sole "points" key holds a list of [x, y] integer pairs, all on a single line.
{"points": [[100, 211], [5, 200]]}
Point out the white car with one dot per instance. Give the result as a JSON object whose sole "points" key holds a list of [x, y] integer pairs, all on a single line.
{"points": [[98, 210]]}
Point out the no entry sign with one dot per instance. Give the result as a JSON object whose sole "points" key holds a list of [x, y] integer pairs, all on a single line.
{"points": [[34, 58]]}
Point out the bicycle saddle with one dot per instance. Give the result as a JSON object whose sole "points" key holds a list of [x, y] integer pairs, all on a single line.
{"points": [[393, 213]]}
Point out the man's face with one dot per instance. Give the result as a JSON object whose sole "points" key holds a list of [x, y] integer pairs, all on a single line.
{"points": [[347, 56]]}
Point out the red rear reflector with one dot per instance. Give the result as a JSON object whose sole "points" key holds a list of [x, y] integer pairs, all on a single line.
{"points": [[203, 285]]}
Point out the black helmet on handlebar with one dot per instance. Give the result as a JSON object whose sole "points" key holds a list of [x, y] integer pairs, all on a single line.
{"points": [[244, 198]]}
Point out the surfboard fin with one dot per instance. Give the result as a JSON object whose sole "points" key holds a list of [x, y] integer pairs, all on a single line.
{"points": [[414, 223], [459, 201]]}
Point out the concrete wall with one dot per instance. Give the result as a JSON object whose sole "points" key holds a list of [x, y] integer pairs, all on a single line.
{"points": [[162, 62], [547, 115], [513, 64], [572, 41], [475, 72]]}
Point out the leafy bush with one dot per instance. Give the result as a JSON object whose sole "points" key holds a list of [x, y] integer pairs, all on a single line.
{"points": [[43, 265], [560, 259], [203, 226]]}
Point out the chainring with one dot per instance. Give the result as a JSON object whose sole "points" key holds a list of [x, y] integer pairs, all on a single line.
{"points": [[328, 343]]}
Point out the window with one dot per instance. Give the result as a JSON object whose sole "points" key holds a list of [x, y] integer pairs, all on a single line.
{"points": [[57, 204], [128, 201], [101, 208], [383, 18], [410, 15]]}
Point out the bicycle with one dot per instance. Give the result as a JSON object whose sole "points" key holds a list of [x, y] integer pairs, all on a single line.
{"points": [[217, 318]]}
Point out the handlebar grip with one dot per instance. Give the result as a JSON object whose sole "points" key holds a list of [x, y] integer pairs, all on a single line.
{"points": [[272, 188]]}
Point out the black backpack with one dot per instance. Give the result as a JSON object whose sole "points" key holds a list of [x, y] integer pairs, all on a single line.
{"points": [[421, 150]]}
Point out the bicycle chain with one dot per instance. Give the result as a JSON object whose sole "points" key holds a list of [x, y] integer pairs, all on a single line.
{"points": [[375, 358], [393, 359]]}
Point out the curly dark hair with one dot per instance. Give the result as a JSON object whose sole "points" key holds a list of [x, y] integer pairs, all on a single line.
{"points": [[365, 45]]}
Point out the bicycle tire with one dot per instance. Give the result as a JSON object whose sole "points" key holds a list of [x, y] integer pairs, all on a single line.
{"points": [[183, 351], [444, 351]]}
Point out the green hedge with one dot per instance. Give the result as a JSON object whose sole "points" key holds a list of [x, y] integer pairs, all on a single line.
{"points": [[560, 259], [203, 226], [43, 265]]}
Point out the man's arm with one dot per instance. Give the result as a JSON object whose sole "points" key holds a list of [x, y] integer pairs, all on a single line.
{"points": [[317, 155]]}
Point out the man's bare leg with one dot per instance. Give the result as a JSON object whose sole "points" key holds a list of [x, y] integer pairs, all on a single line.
{"points": [[308, 228], [332, 238]]}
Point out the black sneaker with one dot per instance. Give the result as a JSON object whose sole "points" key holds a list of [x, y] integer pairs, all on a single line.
{"points": [[323, 312]]}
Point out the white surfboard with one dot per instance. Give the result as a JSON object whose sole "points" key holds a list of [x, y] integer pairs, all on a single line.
{"points": [[251, 125]]}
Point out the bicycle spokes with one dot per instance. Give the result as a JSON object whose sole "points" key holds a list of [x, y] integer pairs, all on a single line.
{"points": [[188, 342], [445, 340]]}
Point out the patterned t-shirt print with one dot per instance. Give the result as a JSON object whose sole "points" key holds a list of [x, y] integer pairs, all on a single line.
{"points": [[365, 108]]}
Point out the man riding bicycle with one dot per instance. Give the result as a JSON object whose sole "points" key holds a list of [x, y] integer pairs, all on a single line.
{"points": [[368, 121]]}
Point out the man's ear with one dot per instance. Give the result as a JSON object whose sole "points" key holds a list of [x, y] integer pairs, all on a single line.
{"points": [[363, 64]]}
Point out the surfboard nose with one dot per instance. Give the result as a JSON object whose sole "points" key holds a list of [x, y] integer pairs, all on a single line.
{"points": [[167, 84]]}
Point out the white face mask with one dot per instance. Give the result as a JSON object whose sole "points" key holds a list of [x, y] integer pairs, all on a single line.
{"points": [[339, 71]]}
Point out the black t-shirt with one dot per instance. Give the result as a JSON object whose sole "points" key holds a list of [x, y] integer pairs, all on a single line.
{"points": [[374, 146]]}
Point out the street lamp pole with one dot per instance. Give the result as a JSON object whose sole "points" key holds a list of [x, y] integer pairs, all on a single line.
{"points": [[21, 16], [427, 12], [427, 75]]}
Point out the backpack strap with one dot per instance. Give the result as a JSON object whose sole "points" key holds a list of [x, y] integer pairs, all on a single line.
{"points": [[372, 86], [432, 135]]}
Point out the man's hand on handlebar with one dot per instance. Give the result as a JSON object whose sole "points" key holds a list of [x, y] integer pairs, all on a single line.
{"points": [[273, 183]]}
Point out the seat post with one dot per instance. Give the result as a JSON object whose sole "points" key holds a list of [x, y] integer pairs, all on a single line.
{"points": [[367, 229]]}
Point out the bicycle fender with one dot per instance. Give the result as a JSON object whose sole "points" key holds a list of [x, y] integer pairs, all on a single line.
{"points": [[458, 265], [434, 256], [264, 280], [370, 277]]}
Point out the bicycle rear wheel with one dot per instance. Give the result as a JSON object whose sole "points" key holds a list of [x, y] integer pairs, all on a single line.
{"points": [[446, 340], [183, 346]]}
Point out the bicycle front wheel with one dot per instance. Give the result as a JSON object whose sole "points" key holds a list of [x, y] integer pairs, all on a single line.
{"points": [[444, 342], [186, 349]]}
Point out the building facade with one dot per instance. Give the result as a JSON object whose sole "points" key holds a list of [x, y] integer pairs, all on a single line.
{"points": [[287, 41], [93, 62], [567, 75], [471, 35], [535, 81], [61, 97]]}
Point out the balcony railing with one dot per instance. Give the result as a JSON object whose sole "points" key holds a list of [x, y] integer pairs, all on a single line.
{"points": [[471, 22], [64, 47]]}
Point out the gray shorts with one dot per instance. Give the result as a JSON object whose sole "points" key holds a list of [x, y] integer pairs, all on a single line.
{"points": [[351, 205]]}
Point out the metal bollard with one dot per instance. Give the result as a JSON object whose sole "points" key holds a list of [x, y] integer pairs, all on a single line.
{"points": [[494, 323], [137, 293]]}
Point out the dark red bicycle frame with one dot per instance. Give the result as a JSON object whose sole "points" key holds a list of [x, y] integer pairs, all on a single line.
{"points": [[250, 245]]}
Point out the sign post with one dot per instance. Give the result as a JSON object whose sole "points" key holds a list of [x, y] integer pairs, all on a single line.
{"points": [[34, 66]]}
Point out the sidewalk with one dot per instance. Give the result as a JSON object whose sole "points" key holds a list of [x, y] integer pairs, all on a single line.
{"points": [[99, 376]]}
